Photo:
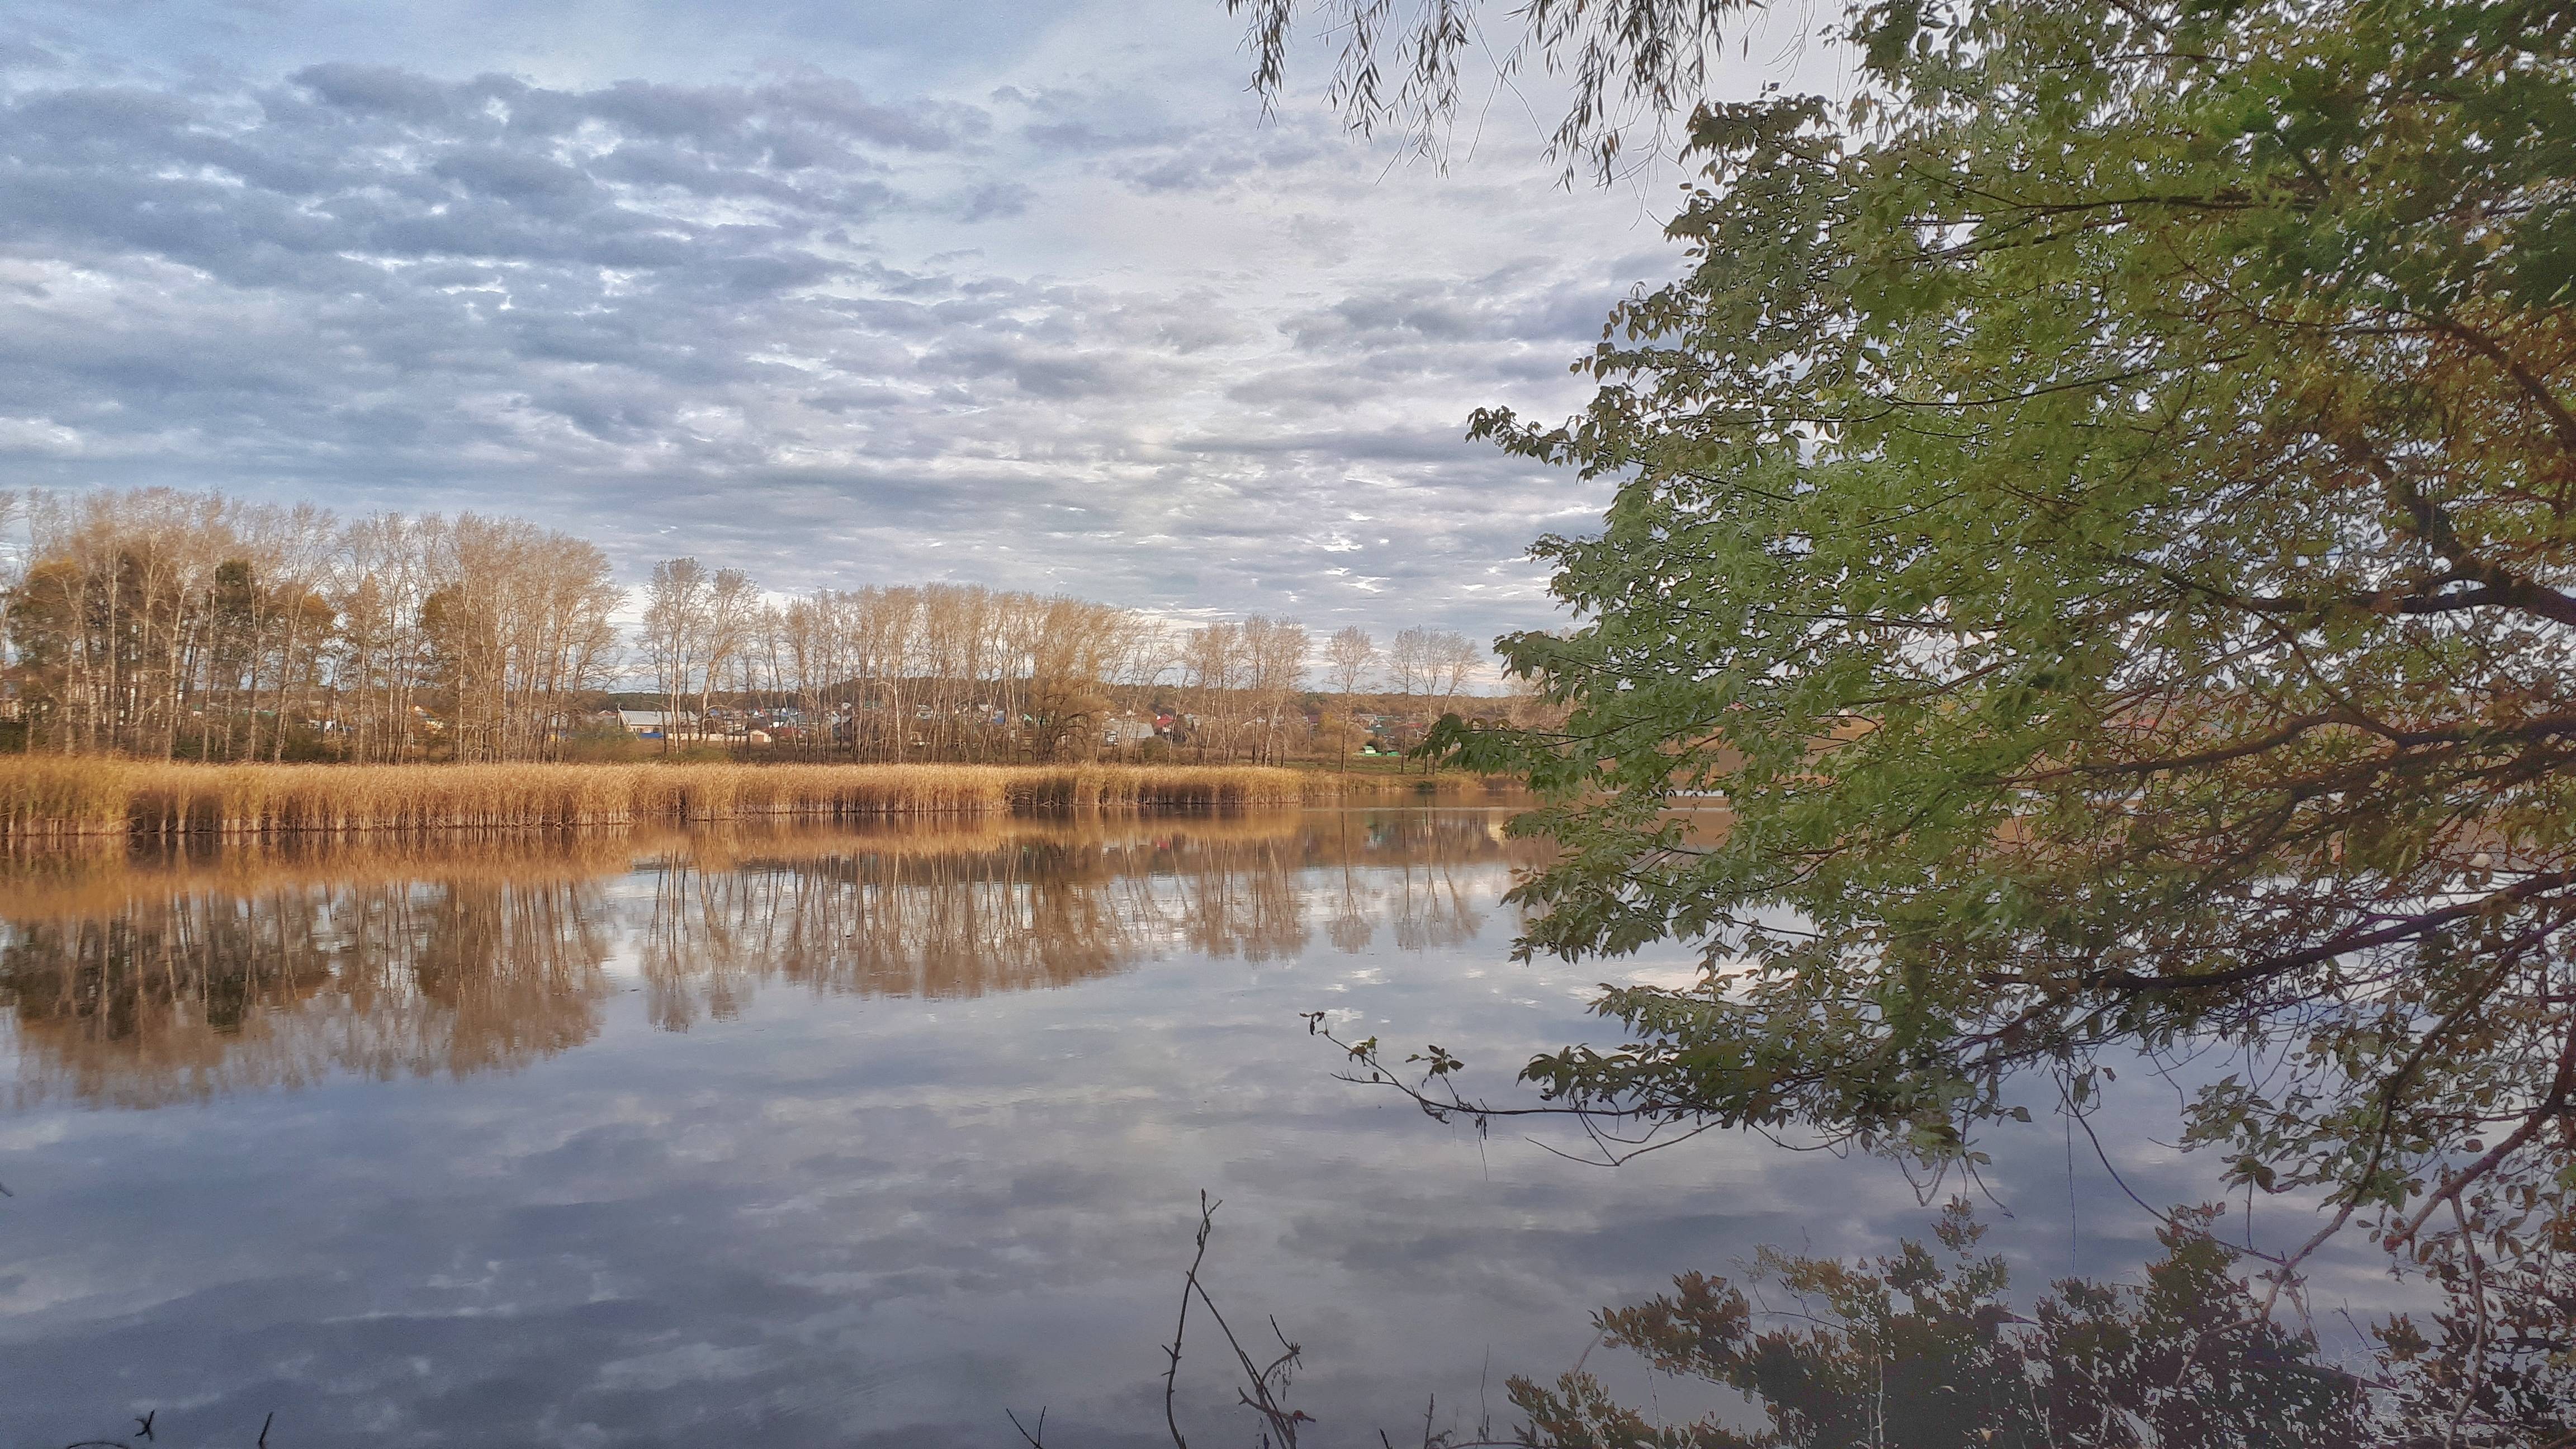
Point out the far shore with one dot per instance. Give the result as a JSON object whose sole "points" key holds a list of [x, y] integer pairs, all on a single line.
{"points": [[45, 797]]}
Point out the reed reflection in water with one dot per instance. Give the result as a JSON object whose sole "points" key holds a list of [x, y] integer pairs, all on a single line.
{"points": [[143, 981]]}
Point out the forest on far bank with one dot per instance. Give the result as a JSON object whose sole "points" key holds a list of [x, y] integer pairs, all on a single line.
{"points": [[160, 624]]}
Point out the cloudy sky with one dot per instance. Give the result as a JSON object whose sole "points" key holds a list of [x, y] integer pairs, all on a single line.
{"points": [[841, 292]]}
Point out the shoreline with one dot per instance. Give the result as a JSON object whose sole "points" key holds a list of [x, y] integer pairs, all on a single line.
{"points": [[47, 799]]}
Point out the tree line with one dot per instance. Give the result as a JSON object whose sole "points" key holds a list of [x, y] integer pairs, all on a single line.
{"points": [[155, 623], [962, 672]]}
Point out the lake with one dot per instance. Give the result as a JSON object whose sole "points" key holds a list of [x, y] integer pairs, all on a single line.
{"points": [[848, 1137]]}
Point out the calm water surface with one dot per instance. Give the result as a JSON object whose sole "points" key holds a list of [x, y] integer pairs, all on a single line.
{"points": [[837, 1138]]}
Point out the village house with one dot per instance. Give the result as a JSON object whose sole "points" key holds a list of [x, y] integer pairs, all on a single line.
{"points": [[653, 724]]}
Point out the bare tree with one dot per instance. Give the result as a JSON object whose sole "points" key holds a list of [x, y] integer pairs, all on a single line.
{"points": [[1274, 671], [676, 603], [1212, 661], [1410, 669], [1455, 659], [732, 610], [1347, 657], [1408, 662]]}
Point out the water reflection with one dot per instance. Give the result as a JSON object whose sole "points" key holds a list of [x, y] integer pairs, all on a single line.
{"points": [[139, 981], [198, 995], [1926, 1349], [881, 1187]]}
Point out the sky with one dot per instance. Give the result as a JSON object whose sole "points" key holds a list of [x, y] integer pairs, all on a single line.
{"points": [[1024, 294]]}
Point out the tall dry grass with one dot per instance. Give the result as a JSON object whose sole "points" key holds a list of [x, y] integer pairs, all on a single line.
{"points": [[48, 799]]}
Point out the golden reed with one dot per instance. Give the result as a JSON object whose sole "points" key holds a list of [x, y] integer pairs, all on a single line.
{"points": [[45, 798]]}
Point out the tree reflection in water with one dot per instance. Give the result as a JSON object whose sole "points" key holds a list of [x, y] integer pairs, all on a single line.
{"points": [[907, 915], [202, 994], [1925, 1350], [138, 982]]}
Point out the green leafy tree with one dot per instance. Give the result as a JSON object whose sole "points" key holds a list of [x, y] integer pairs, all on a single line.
{"points": [[2096, 512], [2494, 1364]]}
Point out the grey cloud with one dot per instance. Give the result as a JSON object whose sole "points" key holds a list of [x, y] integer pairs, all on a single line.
{"points": [[669, 111], [1034, 371], [842, 106], [376, 89], [1478, 309], [19, 55], [996, 201], [777, 272], [1187, 173], [847, 400], [1319, 386], [607, 417], [764, 116], [1408, 444], [1213, 161], [515, 177], [698, 174], [1091, 135], [97, 120], [739, 314]]}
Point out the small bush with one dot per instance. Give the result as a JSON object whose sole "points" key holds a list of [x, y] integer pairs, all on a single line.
{"points": [[604, 747]]}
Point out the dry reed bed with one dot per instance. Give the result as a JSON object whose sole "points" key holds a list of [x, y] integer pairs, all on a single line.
{"points": [[54, 799], [1441, 784]]}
